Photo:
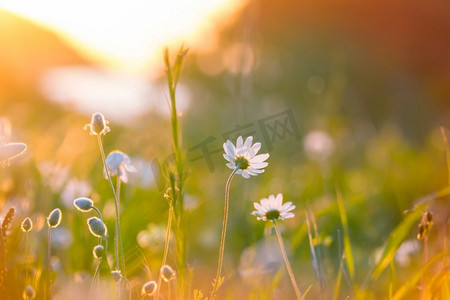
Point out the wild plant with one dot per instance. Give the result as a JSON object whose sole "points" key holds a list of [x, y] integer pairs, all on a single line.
{"points": [[176, 171], [53, 221], [273, 209], [243, 160]]}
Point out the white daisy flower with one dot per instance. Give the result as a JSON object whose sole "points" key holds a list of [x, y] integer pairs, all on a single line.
{"points": [[243, 157], [118, 163], [272, 208]]}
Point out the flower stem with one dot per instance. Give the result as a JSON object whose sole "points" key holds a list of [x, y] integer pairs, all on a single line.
{"points": [[166, 249], [49, 266], [425, 260], [122, 257], [94, 278], [97, 270], [98, 213], [286, 261], [117, 237], [27, 260], [222, 237]]}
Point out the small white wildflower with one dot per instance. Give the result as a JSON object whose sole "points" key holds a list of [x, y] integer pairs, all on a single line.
{"points": [[405, 251], [119, 164], [149, 288], [26, 225], [10, 151], [62, 238], [318, 145], [73, 189], [243, 157], [83, 204], [272, 208], [54, 218], [98, 125], [167, 273]]}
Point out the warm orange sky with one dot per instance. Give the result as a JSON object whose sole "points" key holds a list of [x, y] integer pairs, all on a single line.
{"points": [[128, 35]]}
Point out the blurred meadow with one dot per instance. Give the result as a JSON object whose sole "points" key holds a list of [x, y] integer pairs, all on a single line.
{"points": [[349, 98]]}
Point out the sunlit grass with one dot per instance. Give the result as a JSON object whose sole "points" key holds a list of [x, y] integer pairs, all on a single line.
{"points": [[317, 255]]}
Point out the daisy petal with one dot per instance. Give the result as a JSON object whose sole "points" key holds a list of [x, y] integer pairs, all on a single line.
{"points": [[288, 215], [239, 143], [227, 157], [259, 158], [248, 142], [254, 149]]}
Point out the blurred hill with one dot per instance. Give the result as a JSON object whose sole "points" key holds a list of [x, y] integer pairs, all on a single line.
{"points": [[28, 50]]}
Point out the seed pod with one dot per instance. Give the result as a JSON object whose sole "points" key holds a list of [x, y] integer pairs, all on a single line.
{"points": [[54, 218], [27, 225], [98, 251], [98, 125], [83, 204], [149, 288], [97, 227], [167, 273], [29, 292]]}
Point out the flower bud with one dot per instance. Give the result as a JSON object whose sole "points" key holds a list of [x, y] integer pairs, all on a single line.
{"points": [[83, 204], [54, 218], [29, 292], [98, 125], [149, 288], [97, 227], [116, 275], [98, 251], [27, 225], [167, 273]]}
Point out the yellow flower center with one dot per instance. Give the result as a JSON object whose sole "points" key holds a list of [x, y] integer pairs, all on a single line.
{"points": [[241, 162], [272, 214]]}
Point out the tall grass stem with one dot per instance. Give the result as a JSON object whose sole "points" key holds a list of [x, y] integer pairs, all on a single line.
{"points": [[166, 248], [173, 72], [286, 261]]}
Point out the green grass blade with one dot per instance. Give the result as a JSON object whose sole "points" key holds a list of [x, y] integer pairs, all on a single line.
{"points": [[440, 285], [337, 285], [392, 279], [312, 248], [412, 281], [347, 245], [396, 238]]}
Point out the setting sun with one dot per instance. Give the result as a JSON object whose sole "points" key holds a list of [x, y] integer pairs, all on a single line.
{"points": [[126, 35]]}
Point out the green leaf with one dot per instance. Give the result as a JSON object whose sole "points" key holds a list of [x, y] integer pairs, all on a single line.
{"points": [[337, 285], [396, 238], [347, 245], [412, 281]]}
